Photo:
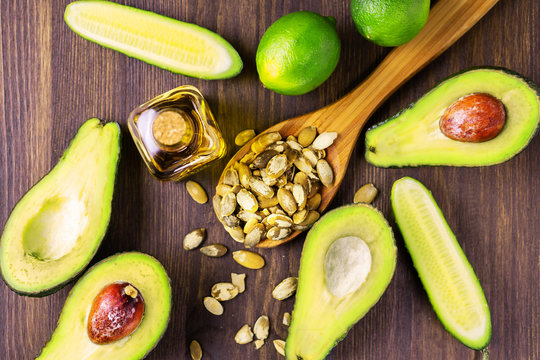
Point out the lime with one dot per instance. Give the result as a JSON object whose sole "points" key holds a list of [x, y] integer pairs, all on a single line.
{"points": [[168, 43], [298, 53], [389, 22]]}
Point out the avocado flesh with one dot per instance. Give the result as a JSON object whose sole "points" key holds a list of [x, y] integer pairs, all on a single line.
{"points": [[55, 229], [320, 319], [70, 339], [413, 138]]}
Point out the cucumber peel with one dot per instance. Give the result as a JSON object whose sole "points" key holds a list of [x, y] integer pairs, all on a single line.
{"points": [[448, 278], [173, 45]]}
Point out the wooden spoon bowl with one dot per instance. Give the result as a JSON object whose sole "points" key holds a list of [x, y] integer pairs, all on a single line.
{"points": [[447, 22]]}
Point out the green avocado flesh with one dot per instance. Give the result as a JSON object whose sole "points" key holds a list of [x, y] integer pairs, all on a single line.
{"points": [[412, 137], [70, 339], [347, 262], [450, 282], [56, 228]]}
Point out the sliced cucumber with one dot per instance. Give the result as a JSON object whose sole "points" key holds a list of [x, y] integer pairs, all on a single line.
{"points": [[158, 40], [450, 282]]}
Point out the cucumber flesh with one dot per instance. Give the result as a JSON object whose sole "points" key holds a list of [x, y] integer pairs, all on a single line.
{"points": [[158, 40], [449, 280]]}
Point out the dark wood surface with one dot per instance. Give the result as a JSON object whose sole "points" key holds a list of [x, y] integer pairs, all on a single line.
{"points": [[52, 80]]}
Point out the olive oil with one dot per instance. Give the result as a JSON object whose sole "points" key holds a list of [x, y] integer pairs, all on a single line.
{"points": [[176, 133]]}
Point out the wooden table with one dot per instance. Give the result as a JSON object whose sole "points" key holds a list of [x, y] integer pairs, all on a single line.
{"points": [[52, 80]]}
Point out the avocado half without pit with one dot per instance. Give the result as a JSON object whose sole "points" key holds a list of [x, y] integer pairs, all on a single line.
{"points": [[482, 116], [56, 228], [119, 309], [347, 262]]}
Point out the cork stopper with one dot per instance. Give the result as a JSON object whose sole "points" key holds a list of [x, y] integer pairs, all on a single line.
{"points": [[169, 127]]}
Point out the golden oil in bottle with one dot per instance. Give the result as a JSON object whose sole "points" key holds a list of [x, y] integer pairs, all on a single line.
{"points": [[176, 133]]}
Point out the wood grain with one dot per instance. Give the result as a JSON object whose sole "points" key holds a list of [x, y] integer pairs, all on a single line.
{"points": [[51, 81]]}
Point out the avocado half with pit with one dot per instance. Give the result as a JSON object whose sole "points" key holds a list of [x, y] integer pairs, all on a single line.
{"points": [[348, 260], [56, 228], [413, 136], [70, 340]]}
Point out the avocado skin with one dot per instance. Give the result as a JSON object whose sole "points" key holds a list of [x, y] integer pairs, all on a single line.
{"points": [[507, 71], [80, 276], [56, 288]]}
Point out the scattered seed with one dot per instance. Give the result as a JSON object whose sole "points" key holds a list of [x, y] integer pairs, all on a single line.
{"points": [[248, 259], [194, 238], [214, 250], [224, 291], [244, 136], [195, 350], [244, 335], [286, 319], [324, 140], [280, 346], [213, 306], [258, 344], [285, 289], [325, 172], [262, 327], [366, 194], [196, 192], [239, 280], [307, 135]]}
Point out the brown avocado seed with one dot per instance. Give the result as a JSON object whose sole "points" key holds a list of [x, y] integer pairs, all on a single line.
{"points": [[475, 117], [116, 312]]}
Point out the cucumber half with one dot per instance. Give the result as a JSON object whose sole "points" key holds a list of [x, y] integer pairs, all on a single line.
{"points": [[450, 282], [158, 40]]}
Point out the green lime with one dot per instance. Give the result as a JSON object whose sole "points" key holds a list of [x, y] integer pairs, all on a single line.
{"points": [[168, 43], [389, 22], [298, 53]]}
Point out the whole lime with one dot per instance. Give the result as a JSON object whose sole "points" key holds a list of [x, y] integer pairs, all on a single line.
{"points": [[389, 22], [298, 52]]}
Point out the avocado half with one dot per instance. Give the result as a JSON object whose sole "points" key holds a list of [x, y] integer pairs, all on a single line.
{"points": [[348, 260], [70, 339], [56, 228], [413, 138]]}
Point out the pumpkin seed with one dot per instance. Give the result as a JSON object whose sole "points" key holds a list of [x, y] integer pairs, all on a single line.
{"points": [[287, 201], [314, 202], [307, 135], [266, 202], [248, 226], [239, 280], [257, 147], [325, 172], [300, 216], [286, 319], [291, 137], [196, 191], [281, 181], [315, 187], [291, 155], [255, 235], [321, 154], [276, 233], [231, 177], [293, 144], [279, 146], [269, 138], [194, 238], [236, 233], [244, 136], [262, 159], [214, 250], [246, 216], [248, 158], [256, 172], [247, 200], [366, 194], [195, 350], [285, 289], [262, 327], [224, 291], [216, 202], [222, 189], [311, 217], [248, 259], [303, 164], [324, 140], [300, 227], [268, 181], [280, 346], [260, 188], [300, 195], [279, 220], [244, 335], [276, 166], [302, 179], [310, 156], [228, 204], [231, 220], [244, 174], [258, 344], [213, 306]]}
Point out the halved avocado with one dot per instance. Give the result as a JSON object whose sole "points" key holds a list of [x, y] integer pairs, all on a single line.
{"points": [[56, 228], [70, 339], [413, 138], [347, 262]]}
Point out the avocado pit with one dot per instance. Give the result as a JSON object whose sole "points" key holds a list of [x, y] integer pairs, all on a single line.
{"points": [[116, 312], [476, 117]]}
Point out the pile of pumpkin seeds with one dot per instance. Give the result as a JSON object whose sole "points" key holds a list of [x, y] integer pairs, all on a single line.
{"points": [[275, 188]]}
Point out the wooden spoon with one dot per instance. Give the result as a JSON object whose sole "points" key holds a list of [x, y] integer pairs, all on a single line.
{"points": [[447, 22]]}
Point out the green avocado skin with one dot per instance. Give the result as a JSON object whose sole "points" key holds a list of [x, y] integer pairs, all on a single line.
{"points": [[400, 141], [33, 193]]}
